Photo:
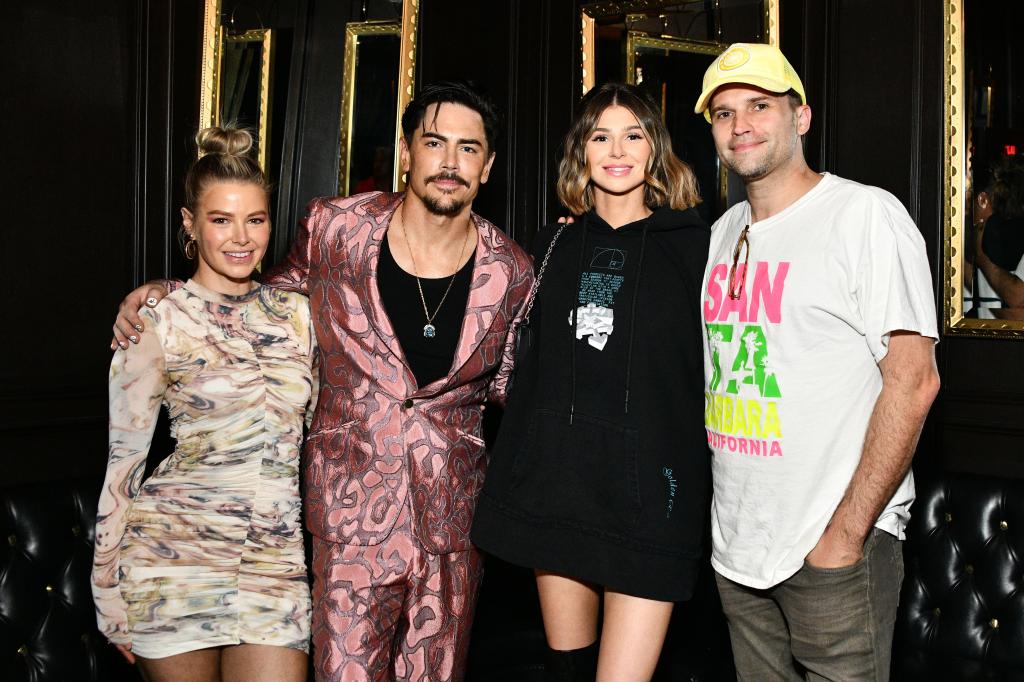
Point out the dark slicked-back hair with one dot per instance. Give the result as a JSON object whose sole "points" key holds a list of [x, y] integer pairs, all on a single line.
{"points": [[453, 92]]}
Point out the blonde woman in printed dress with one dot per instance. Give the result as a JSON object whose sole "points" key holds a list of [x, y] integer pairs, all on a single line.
{"points": [[199, 571]]}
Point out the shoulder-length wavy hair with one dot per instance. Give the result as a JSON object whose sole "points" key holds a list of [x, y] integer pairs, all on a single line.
{"points": [[669, 181]]}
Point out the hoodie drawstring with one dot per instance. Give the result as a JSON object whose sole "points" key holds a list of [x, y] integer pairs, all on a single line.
{"points": [[575, 319], [632, 315]]}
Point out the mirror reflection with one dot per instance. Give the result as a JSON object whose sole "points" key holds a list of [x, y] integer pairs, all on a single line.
{"points": [[369, 115], [244, 83], [670, 71], [994, 127], [380, 66], [246, 60]]}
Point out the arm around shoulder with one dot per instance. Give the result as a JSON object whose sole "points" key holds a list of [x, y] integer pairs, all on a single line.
{"points": [[129, 325]]}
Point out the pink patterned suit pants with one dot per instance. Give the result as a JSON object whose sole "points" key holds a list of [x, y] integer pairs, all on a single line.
{"points": [[392, 611]]}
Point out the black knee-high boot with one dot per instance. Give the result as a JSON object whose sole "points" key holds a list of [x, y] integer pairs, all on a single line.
{"points": [[577, 665]]}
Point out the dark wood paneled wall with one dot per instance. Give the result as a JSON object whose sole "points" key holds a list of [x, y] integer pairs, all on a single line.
{"points": [[98, 133], [100, 104], [874, 74], [101, 109]]}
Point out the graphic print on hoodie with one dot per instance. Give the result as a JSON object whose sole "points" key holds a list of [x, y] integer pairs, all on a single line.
{"points": [[598, 287], [601, 468]]}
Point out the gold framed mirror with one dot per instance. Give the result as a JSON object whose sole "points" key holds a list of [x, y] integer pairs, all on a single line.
{"points": [[664, 47], [367, 161], [983, 179], [605, 25], [670, 70], [237, 75], [380, 62]]}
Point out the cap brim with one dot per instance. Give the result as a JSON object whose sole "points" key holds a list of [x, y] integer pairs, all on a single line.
{"points": [[770, 84]]}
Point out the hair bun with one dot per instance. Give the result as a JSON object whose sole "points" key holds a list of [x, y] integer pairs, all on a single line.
{"points": [[226, 140]]}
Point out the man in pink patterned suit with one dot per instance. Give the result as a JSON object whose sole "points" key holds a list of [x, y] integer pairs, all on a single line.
{"points": [[414, 300]]}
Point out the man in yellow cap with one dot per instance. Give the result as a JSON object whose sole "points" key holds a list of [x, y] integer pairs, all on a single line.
{"points": [[820, 370]]}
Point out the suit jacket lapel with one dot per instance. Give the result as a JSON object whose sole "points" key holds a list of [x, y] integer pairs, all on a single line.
{"points": [[381, 210], [492, 275]]}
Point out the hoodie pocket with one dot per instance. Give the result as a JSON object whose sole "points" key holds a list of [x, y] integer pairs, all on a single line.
{"points": [[581, 475]]}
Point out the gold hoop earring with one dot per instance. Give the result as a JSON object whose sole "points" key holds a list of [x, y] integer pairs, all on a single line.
{"points": [[191, 248]]}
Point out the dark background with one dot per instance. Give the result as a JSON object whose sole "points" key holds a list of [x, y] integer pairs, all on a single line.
{"points": [[100, 105]]}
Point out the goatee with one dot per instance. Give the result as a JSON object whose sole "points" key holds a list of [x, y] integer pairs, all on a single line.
{"points": [[449, 208]]}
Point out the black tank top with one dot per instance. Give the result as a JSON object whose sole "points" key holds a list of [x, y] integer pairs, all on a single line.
{"points": [[429, 358]]}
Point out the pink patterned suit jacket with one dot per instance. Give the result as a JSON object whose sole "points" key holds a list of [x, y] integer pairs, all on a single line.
{"points": [[378, 438]]}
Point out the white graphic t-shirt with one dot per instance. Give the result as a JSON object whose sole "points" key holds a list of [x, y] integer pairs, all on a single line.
{"points": [[790, 365]]}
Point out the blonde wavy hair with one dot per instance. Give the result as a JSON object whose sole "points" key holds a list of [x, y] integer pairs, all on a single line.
{"points": [[669, 181]]}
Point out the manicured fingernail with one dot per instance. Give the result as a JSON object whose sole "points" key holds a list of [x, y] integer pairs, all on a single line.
{"points": [[151, 301], [123, 344], [133, 339], [138, 327]]}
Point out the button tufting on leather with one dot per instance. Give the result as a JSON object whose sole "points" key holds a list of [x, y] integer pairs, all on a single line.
{"points": [[973, 567], [46, 610]]}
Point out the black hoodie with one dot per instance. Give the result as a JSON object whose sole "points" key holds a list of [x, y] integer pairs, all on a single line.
{"points": [[601, 461]]}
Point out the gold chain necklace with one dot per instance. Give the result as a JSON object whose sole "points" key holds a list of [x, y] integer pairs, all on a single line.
{"points": [[429, 330]]}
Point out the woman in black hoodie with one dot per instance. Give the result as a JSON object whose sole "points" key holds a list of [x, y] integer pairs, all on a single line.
{"points": [[599, 477]]}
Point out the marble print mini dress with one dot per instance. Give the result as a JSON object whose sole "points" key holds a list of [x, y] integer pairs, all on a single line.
{"points": [[208, 551]]}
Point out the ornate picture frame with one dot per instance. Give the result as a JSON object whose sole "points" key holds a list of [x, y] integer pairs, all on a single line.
{"points": [[956, 188]]}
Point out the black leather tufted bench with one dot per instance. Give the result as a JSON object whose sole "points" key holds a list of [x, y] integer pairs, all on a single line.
{"points": [[961, 612], [47, 622], [962, 607]]}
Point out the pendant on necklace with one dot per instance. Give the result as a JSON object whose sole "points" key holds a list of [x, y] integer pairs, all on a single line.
{"points": [[429, 331]]}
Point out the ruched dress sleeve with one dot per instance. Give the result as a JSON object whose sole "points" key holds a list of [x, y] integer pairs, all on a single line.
{"points": [[138, 380]]}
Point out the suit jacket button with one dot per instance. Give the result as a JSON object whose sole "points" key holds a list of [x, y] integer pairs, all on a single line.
{"points": [[407, 404]]}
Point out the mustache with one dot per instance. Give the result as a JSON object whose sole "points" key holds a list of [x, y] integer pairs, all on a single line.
{"points": [[733, 145], [448, 176]]}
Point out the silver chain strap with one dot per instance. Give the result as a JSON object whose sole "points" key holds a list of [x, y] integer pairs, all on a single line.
{"points": [[540, 274]]}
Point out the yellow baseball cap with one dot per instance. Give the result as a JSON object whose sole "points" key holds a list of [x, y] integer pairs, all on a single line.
{"points": [[757, 64]]}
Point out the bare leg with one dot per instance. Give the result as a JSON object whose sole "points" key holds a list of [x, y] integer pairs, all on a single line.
{"points": [[193, 666], [631, 638], [256, 662], [569, 607]]}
